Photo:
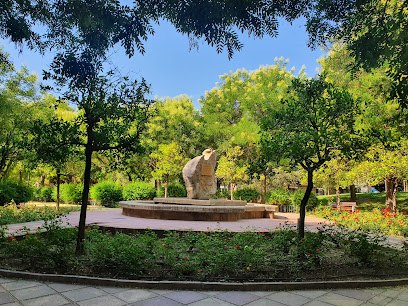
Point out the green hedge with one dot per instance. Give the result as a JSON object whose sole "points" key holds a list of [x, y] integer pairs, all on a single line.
{"points": [[69, 193], [175, 190], [247, 194], [106, 193], [279, 197], [14, 192], [139, 191]]}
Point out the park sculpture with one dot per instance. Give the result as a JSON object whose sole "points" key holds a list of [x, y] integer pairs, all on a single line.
{"points": [[199, 176], [199, 205]]}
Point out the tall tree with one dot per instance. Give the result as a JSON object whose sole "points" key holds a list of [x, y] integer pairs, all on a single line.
{"points": [[317, 120], [169, 161], [231, 169]]}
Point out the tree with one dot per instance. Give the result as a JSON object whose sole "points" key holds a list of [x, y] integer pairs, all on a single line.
{"points": [[233, 110], [230, 169], [383, 164], [52, 142], [374, 32], [112, 114], [169, 162], [335, 173], [18, 93], [317, 120], [174, 120]]}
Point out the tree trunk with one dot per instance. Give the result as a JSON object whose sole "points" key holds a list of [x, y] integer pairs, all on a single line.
{"points": [[263, 191], [20, 176], [85, 192], [58, 189], [353, 196], [166, 186], [158, 185], [338, 197], [42, 183], [301, 220], [405, 185], [232, 191], [391, 194]]}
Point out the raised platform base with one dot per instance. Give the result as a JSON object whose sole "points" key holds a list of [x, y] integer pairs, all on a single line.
{"points": [[210, 202], [151, 210]]}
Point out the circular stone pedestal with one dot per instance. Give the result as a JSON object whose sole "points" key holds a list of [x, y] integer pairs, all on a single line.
{"points": [[195, 212]]}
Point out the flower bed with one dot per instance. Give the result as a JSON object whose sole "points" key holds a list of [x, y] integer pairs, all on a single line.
{"points": [[376, 221], [215, 256]]}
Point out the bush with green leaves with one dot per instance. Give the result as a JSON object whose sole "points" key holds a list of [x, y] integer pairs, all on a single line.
{"points": [[175, 190], [46, 193], [10, 191], [205, 256], [279, 197], [69, 193], [106, 193], [222, 194], [297, 197], [247, 194], [139, 191]]}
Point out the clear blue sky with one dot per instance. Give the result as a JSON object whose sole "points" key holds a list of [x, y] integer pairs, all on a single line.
{"points": [[172, 69]]}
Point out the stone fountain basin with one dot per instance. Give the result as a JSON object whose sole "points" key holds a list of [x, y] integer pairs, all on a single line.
{"points": [[195, 212]]}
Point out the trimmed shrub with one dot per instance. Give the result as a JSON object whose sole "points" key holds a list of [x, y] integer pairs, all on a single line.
{"points": [[69, 193], [247, 194], [14, 192], [107, 193], [175, 190], [297, 197], [279, 197], [138, 191]]}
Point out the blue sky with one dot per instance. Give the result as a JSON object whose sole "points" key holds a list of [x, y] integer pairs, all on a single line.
{"points": [[172, 69]]}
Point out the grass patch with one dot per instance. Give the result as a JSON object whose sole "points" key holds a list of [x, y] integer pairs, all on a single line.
{"points": [[328, 254]]}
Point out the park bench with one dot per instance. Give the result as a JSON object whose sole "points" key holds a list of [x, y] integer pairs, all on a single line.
{"points": [[345, 206]]}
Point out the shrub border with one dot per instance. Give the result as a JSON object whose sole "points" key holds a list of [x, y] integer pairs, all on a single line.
{"points": [[204, 286]]}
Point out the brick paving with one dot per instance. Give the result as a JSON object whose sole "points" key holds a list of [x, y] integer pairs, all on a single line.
{"points": [[32, 293], [114, 218]]}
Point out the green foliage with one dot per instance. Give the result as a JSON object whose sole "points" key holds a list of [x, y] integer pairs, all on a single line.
{"points": [[169, 161], [279, 197], [139, 191], [174, 190], [69, 193], [231, 169], [106, 193], [286, 197], [297, 196], [203, 256], [12, 192], [43, 194], [222, 194], [247, 194], [10, 214]]}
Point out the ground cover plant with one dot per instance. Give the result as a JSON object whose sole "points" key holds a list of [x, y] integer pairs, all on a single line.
{"points": [[211, 256]]}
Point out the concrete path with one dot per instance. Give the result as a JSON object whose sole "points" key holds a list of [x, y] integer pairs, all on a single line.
{"points": [[32, 293]]}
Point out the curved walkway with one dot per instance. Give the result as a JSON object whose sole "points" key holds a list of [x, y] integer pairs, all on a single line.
{"points": [[15, 292], [113, 218]]}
